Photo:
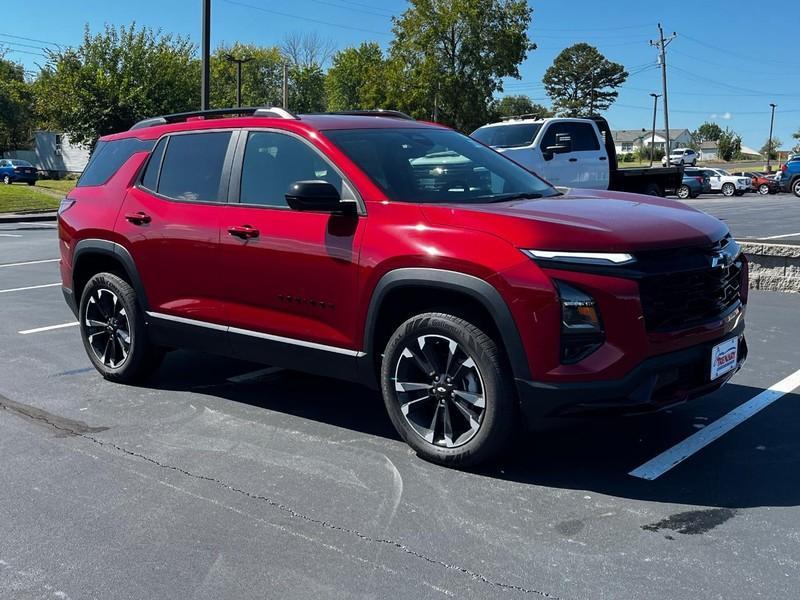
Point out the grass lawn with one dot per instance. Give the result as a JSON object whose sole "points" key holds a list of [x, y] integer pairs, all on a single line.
{"points": [[59, 185], [20, 197]]}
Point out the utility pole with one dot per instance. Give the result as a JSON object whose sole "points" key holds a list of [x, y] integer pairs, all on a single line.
{"points": [[239, 62], [662, 44], [653, 138], [286, 86], [769, 144], [205, 53]]}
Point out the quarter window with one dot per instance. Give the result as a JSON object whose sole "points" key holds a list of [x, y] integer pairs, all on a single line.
{"points": [[273, 161], [150, 177], [192, 167], [108, 157]]}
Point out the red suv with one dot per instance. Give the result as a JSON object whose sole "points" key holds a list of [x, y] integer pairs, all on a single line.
{"points": [[403, 255]]}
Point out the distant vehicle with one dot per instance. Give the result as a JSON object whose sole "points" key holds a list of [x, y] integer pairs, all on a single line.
{"points": [[790, 176], [691, 186], [13, 170], [727, 184], [761, 183], [574, 153], [681, 157]]}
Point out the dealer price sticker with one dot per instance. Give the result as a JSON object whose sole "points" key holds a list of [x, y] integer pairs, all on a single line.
{"points": [[724, 357]]}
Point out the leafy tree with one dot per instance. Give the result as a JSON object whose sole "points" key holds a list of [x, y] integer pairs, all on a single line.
{"points": [[306, 89], [449, 57], [582, 82], [707, 132], [115, 78], [16, 102], [796, 135], [730, 145], [770, 148], [262, 78], [510, 106], [356, 78]]}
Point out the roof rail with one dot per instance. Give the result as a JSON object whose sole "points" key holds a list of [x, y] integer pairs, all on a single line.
{"points": [[255, 111], [525, 116], [375, 112]]}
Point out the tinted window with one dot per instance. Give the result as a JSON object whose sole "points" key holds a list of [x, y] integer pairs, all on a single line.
{"points": [[150, 177], [507, 136], [273, 161], [436, 165], [192, 166], [582, 136], [20, 163], [108, 157]]}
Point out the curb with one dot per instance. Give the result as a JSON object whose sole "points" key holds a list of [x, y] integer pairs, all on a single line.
{"points": [[774, 267], [35, 217]]}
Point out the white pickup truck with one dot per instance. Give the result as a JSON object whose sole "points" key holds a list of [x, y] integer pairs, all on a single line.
{"points": [[574, 153]]}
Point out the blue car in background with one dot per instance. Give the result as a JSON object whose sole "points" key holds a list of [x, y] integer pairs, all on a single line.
{"points": [[13, 170], [694, 183], [790, 176]]}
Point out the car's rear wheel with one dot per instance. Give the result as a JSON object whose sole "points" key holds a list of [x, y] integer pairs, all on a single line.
{"points": [[763, 189], [728, 189], [684, 192], [6, 179], [653, 189], [694, 162], [447, 390], [31, 183], [796, 188], [113, 330]]}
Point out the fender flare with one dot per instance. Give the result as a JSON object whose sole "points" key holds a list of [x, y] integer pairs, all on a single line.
{"points": [[479, 289], [92, 246]]}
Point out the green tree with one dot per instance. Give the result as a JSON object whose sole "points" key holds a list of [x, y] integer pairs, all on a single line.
{"points": [[707, 132], [510, 106], [449, 57], [115, 78], [16, 101], [306, 89], [355, 78], [770, 148], [730, 145], [796, 135], [582, 82], [262, 77]]}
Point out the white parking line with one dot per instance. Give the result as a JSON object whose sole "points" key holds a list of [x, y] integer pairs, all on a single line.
{"points": [[255, 374], [665, 461], [30, 287], [30, 262], [48, 328], [778, 237], [9, 235]]}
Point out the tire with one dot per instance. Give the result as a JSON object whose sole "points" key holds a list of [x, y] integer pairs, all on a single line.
{"points": [[763, 189], [7, 180], [728, 189], [739, 193], [653, 189], [796, 187], [109, 313], [684, 192], [694, 162], [439, 369], [31, 183]]}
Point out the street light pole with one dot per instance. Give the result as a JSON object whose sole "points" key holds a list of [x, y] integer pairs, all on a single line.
{"points": [[769, 143], [662, 44], [205, 53], [653, 138], [239, 62]]}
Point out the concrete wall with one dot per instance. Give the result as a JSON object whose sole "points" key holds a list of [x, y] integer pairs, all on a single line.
{"points": [[773, 266]]}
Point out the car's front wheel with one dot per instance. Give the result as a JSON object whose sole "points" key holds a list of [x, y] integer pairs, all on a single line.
{"points": [[763, 189], [113, 330], [796, 188], [684, 192], [728, 189], [447, 390], [6, 179]]}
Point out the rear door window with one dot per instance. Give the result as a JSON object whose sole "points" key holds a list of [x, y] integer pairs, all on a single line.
{"points": [[108, 157], [193, 165], [581, 135]]}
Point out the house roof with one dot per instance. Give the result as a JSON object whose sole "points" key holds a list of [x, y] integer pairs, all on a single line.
{"points": [[632, 135]]}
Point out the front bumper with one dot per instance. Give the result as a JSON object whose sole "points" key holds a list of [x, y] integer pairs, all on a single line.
{"points": [[657, 383]]}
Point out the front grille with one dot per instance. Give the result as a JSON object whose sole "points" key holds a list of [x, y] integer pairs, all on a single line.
{"points": [[677, 300]]}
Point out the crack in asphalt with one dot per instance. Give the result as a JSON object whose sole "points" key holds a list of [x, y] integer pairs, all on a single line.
{"points": [[78, 429]]}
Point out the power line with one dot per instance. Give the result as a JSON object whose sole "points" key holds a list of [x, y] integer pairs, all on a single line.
{"points": [[307, 19], [13, 51], [353, 6], [28, 39], [735, 88], [730, 52]]}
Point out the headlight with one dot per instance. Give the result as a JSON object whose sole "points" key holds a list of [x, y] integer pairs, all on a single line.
{"points": [[584, 258], [581, 327]]}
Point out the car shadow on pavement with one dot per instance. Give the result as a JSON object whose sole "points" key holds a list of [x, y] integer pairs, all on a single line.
{"points": [[755, 464]]}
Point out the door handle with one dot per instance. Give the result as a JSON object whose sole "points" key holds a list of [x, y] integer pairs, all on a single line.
{"points": [[138, 218], [573, 160], [603, 158], [244, 232]]}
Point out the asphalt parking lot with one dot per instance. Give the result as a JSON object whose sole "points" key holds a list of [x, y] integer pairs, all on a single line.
{"points": [[222, 479]]}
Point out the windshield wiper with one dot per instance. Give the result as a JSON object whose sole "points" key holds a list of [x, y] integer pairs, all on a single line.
{"points": [[515, 196]]}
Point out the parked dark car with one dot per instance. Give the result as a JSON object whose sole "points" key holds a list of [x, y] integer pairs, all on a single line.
{"points": [[691, 186], [701, 176], [13, 170], [761, 183]]}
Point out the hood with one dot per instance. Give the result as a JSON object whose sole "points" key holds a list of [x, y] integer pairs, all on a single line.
{"points": [[589, 220]]}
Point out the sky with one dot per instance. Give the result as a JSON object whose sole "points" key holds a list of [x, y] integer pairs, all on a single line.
{"points": [[727, 64]]}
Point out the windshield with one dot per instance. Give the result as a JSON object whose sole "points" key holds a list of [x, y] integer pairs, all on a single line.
{"points": [[723, 172], [437, 166], [21, 163], [507, 136]]}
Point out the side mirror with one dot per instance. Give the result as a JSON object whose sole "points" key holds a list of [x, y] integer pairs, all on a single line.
{"points": [[318, 196]]}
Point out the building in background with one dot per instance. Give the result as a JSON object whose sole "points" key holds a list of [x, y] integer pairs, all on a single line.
{"points": [[53, 155], [630, 140]]}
